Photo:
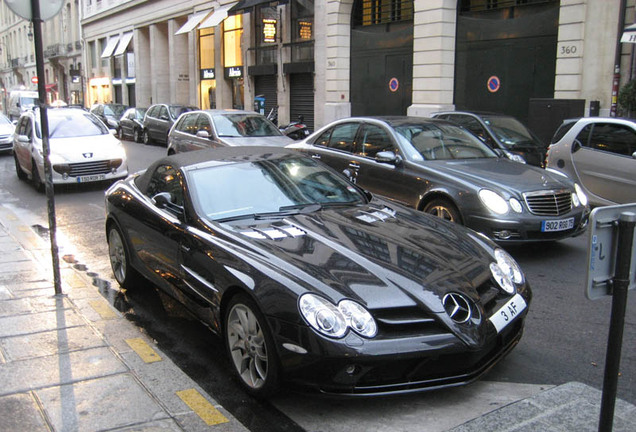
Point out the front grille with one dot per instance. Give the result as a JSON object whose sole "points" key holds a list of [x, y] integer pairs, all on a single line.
{"points": [[89, 168], [549, 203]]}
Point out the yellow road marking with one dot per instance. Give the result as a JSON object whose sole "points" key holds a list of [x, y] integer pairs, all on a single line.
{"points": [[73, 280], [103, 309], [203, 408], [143, 350]]}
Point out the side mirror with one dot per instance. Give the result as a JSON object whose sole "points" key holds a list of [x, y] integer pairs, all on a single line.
{"points": [[162, 199], [24, 139], [203, 134], [576, 146], [388, 157], [634, 155]]}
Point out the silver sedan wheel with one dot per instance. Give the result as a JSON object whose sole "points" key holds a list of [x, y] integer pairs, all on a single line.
{"points": [[117, 254], [441, 212], [247, 346]]}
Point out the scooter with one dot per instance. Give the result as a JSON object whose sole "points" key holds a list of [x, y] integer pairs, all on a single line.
{"points": [[295, 130]]}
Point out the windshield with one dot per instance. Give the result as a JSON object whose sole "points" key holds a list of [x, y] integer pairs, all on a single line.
{"points": [[72, 125], [439, 141], [140, 113], [278, 186], [26, 102], [509, 130], [115, 110], [244, 125]]}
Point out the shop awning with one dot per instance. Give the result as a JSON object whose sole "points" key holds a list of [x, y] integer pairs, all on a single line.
{"points": [[123, 43], [192, 22], [246, 5], [217, 16], [110, 46], [51, 87], [629, 34]]}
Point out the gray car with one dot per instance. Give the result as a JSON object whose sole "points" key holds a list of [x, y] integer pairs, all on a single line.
{"points": [[442, 169], [159, 119], [600, 155], [197, 130]]}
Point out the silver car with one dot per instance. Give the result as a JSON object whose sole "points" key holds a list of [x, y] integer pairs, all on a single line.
{"points": [[197, 130], [600, 155]]}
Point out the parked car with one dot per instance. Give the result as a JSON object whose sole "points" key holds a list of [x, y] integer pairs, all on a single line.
{"points": [[21, 101], [600, 155], [197, 130], [502, 132], [6, 134], [109, 113], [131, 124], [440, 168], [159, 119], [309, 279], [82, 149]]}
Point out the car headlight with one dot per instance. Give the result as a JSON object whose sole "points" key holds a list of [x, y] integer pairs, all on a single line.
{"points": [[493, 201], [332, 320], [580, 194], [506, 271], [515, 205], [514, 157]]}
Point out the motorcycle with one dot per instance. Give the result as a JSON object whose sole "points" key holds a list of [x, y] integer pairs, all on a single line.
{"points": [[295, 130]]}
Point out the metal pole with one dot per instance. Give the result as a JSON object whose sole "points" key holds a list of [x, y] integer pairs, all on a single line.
{"points": [[44, 122], [626, 223], [617, 60]]}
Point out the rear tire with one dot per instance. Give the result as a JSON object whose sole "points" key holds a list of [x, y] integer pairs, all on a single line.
{"points": [[18, 170], [120, 133], [125, 275], [146, 137], [137, 135]]}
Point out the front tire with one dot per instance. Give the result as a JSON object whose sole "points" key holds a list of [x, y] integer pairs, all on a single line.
{"points": [[38, 184], [137, 135], [443, 209], [120, 133], [125, 275], [146, 138], [250, 347]]}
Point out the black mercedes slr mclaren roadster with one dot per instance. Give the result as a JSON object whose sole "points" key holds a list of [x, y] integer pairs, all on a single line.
{"points": [[311, 281]]}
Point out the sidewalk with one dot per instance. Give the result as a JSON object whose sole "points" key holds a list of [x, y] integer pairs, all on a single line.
{"points": [[73, 363]]}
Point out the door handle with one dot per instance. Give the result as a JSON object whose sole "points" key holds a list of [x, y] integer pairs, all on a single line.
{"points": [[315, 156], [185, 248]]}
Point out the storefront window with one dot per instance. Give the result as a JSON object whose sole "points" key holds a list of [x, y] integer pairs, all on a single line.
{"points": [[303, 31], [232, 31], [206, 65]]}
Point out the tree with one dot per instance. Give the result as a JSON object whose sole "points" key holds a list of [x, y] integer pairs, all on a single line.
{"points": [[627, 98]]}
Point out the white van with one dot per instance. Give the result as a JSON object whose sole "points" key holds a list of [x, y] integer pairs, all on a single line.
{"points": [[20, 101]]}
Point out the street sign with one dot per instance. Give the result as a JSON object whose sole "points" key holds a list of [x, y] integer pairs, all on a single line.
{"points": [[34, 80], [602, 250], [22, 8]]}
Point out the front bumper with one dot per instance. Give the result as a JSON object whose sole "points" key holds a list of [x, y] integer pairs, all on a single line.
{"points": [[526, 227], [97, 172], [6, 143], [420, 361]]}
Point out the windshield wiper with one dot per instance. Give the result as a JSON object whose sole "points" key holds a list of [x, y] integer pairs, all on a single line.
{"points": [[281, 212]]}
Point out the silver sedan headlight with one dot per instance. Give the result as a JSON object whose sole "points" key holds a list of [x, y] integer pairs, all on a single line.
{"points": [[493, 201], [332, 320]]}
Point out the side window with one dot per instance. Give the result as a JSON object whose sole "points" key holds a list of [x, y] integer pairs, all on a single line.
{"points": [[613, 138], [374, 139], [163, 113], [188, 124], [203, 124], [471, 124], [343, 136], [584, 136], [22, 126], [166, 179], [323, 139], [151, 112]]}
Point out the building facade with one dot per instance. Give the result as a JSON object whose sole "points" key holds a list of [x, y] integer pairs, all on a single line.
{"points": [[62, 47], [328, 59]]}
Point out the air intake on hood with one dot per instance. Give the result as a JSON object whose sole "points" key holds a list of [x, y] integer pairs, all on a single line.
{"points": [[274, 232], [378, 215]]}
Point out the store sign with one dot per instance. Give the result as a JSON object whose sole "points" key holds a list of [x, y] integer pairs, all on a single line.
{"points": [[269, 30], [304, 30], [234, 72], [208, 74]]}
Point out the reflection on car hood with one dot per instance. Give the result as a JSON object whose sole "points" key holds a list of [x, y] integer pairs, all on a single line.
{"points": [[499, 173], [6, 129], [274, 141], [375, 254], [98, 146]]}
